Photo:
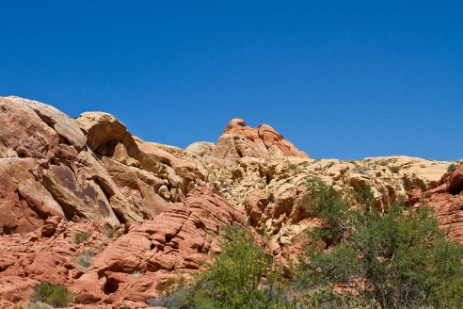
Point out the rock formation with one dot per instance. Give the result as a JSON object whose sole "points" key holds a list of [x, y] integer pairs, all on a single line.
{"points": [[447, 201], [62, 177], [90, 169], [124, 270], [238, 141]]}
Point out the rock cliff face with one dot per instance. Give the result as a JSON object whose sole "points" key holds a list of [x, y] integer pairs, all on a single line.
{"points": [[90, 169], [62, 177], [447, 201]]}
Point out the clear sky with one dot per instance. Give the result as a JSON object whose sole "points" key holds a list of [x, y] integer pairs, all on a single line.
{"points": [[342, 79]]}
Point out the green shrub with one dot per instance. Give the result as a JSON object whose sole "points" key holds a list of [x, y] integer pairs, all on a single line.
{"points": [[81, 237], [292, 167], [324, 202], [112, 232], [271, 197], [452, 167], [378, 174], [401, 259], [242, 276], [394, 169], [54, 295]]}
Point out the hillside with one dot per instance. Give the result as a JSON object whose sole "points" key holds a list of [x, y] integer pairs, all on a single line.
{"points": [[114, 218]]}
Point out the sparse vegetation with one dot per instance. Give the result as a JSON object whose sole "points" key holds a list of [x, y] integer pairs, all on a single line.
{"points": [[359, 257], [243, 276], [81, 237], [452, 167], [112, 232], [271, 197], [85, 260], [400, 259], [394, 169], [55, 295], [378, 174], [292, 167]]}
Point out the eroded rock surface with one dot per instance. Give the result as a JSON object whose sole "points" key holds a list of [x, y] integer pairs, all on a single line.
{"points": [[447, 201], [60, 177], [238, 141], [124, 270], [90, 169], [45, 169]]}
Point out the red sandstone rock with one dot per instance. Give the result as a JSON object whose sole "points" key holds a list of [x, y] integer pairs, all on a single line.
{"points": [[447, 201], [138, 264], [238, 140]]}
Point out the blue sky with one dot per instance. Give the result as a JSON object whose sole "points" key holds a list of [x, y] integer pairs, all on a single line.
{"points": [[342, 79]]}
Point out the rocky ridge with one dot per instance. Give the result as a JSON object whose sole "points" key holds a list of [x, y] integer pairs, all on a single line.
{"points": [[62, 176]]}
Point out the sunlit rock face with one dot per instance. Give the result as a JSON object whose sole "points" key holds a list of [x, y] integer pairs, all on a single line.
{"points": [[61, 176], [238, 141]]}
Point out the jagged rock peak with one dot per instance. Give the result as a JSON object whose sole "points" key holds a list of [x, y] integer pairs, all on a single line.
{"points": [[238, 141]]}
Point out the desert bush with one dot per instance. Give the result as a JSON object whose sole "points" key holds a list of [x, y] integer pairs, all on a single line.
{"points": [[292, 167], [452, 167], [54, 295], [400, 259], [112, 232], [81, 237], [394, 169], [242, 276]]}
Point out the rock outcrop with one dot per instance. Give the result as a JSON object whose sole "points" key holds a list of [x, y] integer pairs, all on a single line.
{"points": [[447, 201], [90, 169], [238, 141], [46, 169], [272, 191], [60, 177], [124, 270]]}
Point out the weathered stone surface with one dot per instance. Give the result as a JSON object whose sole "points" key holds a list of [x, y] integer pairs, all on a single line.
{"points": [[201, 149], [178, 239], [129, 269], [238, 141], [48, 167], [447, 200], [60, 177], [65, 126], [272, 191], [46, 170]]}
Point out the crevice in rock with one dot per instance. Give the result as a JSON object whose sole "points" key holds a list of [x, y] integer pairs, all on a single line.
{"points": [[111, 286], [51, 123], [169, 237], [120, 216], [107, 191]]}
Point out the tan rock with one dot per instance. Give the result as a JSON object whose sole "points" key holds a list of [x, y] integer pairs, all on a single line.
{"points": [[65, 126], [103, 131], [202, 149]]}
